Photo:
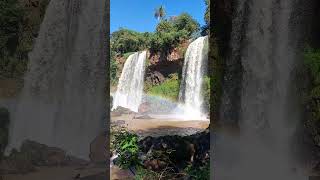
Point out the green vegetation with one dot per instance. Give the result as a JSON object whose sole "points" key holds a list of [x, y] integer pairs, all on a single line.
{"points": [[125, 40], [312, 63], [131, 155], [171, 32], [145, 174], [126, 145], [168, 89], [206, 92], [19, 27], [205, 28], [216, 70], [199, 173]]}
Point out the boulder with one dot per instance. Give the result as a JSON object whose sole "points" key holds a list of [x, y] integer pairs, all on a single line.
{"points": [[16, 164], [175, 151], [42, 155], [121, 110], [154, 78], [144, 107]]}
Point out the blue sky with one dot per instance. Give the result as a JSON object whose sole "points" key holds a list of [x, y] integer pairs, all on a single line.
{"points": [[138, 15]]}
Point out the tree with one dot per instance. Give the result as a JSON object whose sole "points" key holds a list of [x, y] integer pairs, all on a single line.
{"points": [[187, 23], [205, 28], [125, 40], [160, 13]]}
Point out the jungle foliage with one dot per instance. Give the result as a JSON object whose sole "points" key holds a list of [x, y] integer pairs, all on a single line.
{"points": [[169, 33], [19, 28]]}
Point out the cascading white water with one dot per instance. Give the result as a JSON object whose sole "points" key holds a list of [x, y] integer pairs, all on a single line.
{"points": [[130, 88], [63, 100], [267, 118], [193, 72]]}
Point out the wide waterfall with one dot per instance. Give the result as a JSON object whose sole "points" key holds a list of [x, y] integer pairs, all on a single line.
{"points": [[268, 115], [130, 88], [63, 100], [193, 72]]}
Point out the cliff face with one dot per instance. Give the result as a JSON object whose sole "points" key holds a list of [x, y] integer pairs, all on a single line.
{"points": [[161, 65], [230, 66]]}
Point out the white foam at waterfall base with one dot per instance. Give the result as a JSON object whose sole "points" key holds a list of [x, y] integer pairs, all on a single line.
{"points": [[194, 69], [130, 88]]}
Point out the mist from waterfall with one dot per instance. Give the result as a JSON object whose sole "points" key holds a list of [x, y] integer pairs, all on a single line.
{"points": [[131, 82], [268, 116], [194, 69], [63, 102]]}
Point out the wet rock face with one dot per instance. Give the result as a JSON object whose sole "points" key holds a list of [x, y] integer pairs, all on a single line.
{"points": [[32, 155], [121, 110], [154, 78], [42, 155]]}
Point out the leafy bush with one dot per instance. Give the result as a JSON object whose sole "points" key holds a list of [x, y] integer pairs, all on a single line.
{"points": [[125, 40], [185, 22], [145, 174], [206, 92], [170, 32], [113, 70], [19, 27], [312, 63], [126, 145], [199, 173], [168, 89]]}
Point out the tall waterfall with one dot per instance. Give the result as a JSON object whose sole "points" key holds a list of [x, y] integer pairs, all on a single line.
{"points": [[130, 88], [194, 68], [63, 100], [268, 115]]}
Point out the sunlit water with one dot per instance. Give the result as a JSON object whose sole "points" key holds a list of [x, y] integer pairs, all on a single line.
{"points": [[130, 88], [194, 68]]}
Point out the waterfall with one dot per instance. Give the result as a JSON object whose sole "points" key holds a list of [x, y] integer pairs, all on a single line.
{"points": [[263, 41], [63, 102], [130, 88], [194, 68]]}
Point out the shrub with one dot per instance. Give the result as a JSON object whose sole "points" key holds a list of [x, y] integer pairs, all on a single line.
{"points": [[125, 40], [185, 22], [199, 173], [145, 174], [113, 70], [19, 27], [169, 33], [168, 89], [312, 63], [206, 92], [126, 145]]}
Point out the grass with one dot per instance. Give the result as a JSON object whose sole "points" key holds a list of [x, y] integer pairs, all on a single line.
{"points": [[169, 89]]}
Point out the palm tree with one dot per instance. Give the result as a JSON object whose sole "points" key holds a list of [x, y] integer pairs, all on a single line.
{"points": [[160, 13]]}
